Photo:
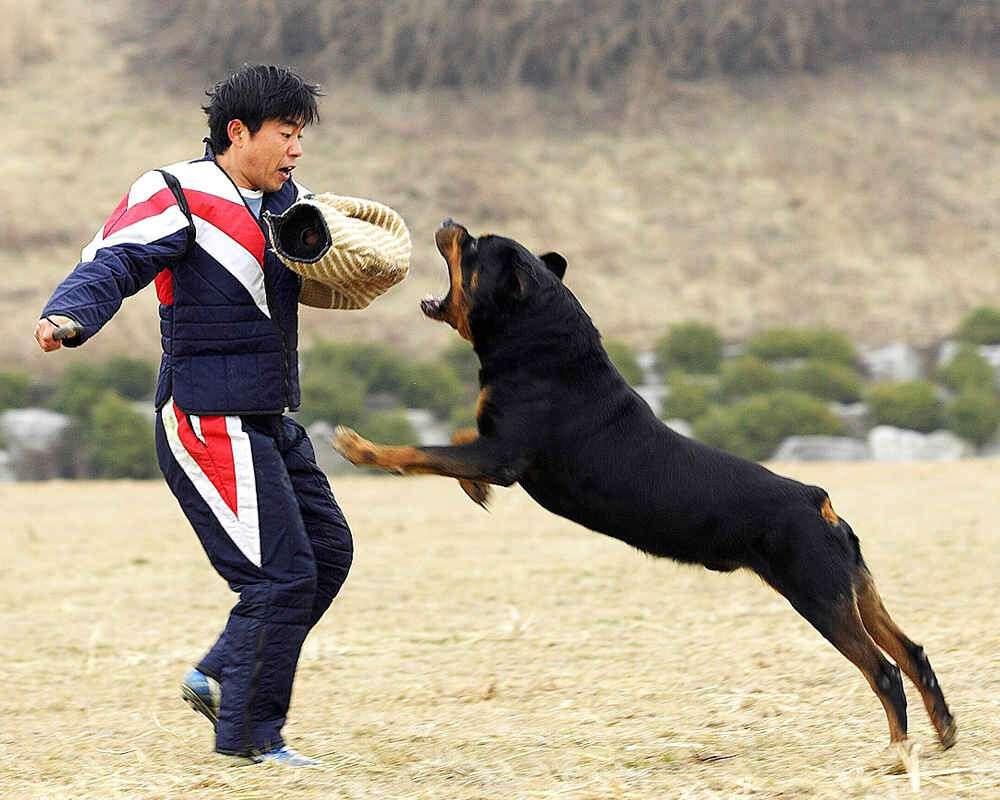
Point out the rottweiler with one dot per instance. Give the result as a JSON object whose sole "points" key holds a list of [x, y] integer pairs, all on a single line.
{"points": [[555, 416]]}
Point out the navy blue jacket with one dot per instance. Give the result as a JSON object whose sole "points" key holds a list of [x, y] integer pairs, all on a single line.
{"points": [[228, 307]]}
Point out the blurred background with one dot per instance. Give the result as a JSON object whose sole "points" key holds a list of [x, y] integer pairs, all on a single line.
{"points": [[783, 216]]}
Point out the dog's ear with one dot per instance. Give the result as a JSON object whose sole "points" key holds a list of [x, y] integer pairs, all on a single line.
{"points": [[555, 262], [519, 278]]}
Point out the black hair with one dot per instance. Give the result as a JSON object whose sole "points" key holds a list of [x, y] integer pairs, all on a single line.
{"points": [[255, 93]]}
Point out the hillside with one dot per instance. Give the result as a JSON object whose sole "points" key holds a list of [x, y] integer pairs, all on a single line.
{"points": [[866, 198]]}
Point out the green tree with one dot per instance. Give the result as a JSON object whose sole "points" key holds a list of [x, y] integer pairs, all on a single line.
{"points": [[910, 404], [78, 391], [380, 368], [132, 378], [690, 397], [777, 344], [119, 439], [14, 389], [980, 326], [974, 415], [388, 427], [434, 385], [968, 370], [691, 347], [826, 379], [462, 415], [336, 396], [462, 358], [624, 358], [755, 426], [745, 376]]}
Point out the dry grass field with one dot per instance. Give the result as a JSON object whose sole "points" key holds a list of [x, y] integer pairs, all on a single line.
{"points": [[501, 655]]}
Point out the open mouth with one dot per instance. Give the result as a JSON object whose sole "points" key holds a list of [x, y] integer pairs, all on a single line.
{"points": [[448, 239], [286, 171]]}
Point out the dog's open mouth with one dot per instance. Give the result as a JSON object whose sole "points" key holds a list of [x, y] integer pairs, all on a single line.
{"points": [[448, 239]]}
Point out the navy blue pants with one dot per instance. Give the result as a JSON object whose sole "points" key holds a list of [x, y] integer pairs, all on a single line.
{"points": [[266, 517]]}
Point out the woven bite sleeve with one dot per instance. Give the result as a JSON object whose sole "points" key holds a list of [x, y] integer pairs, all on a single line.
{"points": [[349, 250]]}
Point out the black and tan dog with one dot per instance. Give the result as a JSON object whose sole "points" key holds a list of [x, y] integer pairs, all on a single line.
{"points": [[556, 416]]}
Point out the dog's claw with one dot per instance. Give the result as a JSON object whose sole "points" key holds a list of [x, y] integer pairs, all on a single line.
{"points": [[352, 445], [340, 438], [478, 491]]}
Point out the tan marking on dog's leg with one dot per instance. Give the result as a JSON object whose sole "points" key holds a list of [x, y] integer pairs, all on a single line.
{"points": [[407, 460], [464, 436], [484, 395], [849, 635], [402, 459], [908, 655]]}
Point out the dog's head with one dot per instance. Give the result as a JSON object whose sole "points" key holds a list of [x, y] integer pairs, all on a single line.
{"points": [[490, 274]]}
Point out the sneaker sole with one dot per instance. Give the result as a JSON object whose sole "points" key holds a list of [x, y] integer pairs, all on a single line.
{"points": [[197, 704], [235, 761]]}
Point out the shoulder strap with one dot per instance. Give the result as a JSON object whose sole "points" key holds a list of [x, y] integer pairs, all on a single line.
{"points": [[175, 186]]}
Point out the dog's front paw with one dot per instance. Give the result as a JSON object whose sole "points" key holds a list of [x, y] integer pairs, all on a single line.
{"points": [[352, 446], [477, 490]]}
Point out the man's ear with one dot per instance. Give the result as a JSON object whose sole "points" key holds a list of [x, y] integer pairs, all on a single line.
{"points": [[236, 130], [556, 264]]}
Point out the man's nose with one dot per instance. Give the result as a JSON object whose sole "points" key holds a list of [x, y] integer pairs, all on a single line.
{"points": [[295, 150]]}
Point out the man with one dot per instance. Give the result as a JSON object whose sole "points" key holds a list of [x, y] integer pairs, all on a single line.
{"points": [[244, 474]]}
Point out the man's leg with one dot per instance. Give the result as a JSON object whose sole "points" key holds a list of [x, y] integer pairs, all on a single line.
{"points": [[326, 527], [233, 487]]}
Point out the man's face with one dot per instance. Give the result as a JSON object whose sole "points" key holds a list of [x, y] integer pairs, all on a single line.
{"points": [[264, 160]]}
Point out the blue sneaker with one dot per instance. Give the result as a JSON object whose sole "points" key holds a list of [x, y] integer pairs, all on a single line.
{"points": [[287, 757], [203, 694]]}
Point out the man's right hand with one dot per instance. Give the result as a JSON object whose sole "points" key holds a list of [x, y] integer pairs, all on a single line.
{"points": [[45, 329]]}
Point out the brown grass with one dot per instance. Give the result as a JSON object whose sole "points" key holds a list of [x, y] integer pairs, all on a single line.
{"points": [[25, 36], [587, 44], [501, 655], [864, 199]]}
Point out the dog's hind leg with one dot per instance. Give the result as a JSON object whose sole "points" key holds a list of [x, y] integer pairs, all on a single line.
{"points": [[906, 653], [812, 566]]}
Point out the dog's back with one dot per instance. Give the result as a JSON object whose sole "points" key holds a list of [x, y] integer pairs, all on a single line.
{"points": [[603, 458]]}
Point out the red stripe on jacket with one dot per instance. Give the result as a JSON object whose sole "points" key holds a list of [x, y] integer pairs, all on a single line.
{"points": [[115, 216], [233, 219], [156, 204], [165, 287], [214, 455]]}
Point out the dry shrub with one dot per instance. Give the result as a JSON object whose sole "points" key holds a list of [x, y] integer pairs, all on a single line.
{"points": [[25, 36], [587, 44]]}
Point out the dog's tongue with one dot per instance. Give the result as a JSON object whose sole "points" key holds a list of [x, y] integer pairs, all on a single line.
{"points": [[431, 306]]}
